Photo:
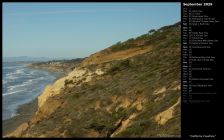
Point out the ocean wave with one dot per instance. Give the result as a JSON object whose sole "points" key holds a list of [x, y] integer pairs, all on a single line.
{"points": [[13, 92], [28, 81], [14, 75], [10, 88], [27, 74], [25, 83], [4, 81], [33, 72], [11, 77], [35, 79], [39, 78], [19, 71], [11, 67]]}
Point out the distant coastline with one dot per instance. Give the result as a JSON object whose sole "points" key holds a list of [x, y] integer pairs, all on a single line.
{"points": [[33, 59], [56, 65]]}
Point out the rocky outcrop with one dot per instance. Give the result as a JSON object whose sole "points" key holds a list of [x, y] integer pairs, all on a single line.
{"points": [[19, 131], [123, 125], [166, 115]]}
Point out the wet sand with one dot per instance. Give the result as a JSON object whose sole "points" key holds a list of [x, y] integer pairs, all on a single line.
{"points": [[25, 111]]}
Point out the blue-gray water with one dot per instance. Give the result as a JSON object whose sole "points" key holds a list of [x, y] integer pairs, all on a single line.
{"points": [[21, 85]]}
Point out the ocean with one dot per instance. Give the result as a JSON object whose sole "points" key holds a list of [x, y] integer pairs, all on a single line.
{"points": [[21, 85]]}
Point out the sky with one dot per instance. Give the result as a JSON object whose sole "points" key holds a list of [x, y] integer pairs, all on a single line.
{"points": [[78, 29]]}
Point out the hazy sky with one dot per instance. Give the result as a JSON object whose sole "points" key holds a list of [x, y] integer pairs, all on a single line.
{"points": [[78, 29]]}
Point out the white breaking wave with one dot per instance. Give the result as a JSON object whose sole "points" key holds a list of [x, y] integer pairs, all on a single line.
{"points": [[33, 72], [19, 71], [11, 77], [40, 78], [14, 75], [10, 88], [31, 80], [27, 74], [28, 82], [14, 114], [13, 92]]}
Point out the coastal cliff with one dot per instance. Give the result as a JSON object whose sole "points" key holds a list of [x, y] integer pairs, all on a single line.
{"points": [[131, 89]]}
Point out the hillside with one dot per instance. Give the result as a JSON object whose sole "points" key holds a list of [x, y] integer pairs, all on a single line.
{"points": [[131, 89]]}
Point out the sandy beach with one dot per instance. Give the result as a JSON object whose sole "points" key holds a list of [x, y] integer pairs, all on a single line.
{"points": [[25, 111]]}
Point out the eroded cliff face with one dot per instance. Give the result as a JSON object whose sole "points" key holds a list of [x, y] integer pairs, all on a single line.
{"points": [[134, 96], [102, 57], [74, 78]]}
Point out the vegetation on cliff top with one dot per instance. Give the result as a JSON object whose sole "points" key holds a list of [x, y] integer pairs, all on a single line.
{"points": [[164, 37]]}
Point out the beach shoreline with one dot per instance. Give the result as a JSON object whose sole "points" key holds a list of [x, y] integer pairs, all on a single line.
{"points": [[25, 113]]}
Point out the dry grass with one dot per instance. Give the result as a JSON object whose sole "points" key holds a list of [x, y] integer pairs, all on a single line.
{"points": [[99, 58]]}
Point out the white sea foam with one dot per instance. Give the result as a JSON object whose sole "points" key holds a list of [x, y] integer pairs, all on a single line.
{"points": [[10, 88], [32, 80], [27, 74], [4, 81], [11, 76], [33, 72], [19, 71], [14, 75], [14, 114], [28, 82], [39, 78], [13, 92]]}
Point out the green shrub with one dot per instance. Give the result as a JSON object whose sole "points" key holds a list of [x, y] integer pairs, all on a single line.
{"points": [[119, 66], [68, 82]]}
